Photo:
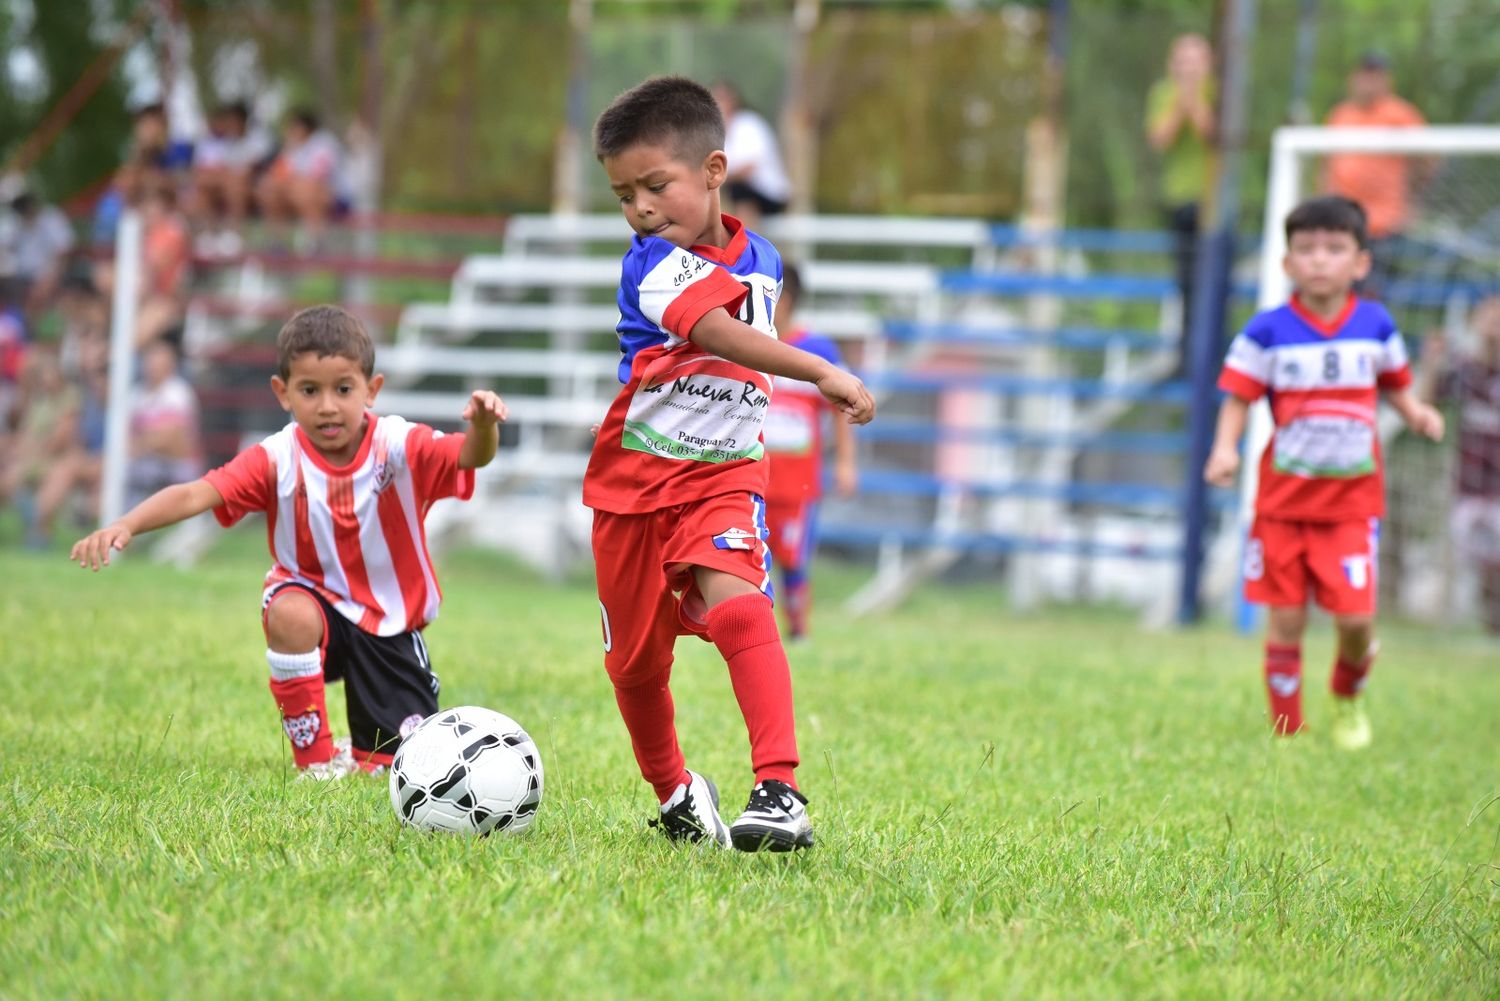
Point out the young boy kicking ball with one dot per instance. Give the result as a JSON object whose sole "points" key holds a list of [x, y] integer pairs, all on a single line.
{"points": [[676, 480], [1323, 360], [345, 492]]}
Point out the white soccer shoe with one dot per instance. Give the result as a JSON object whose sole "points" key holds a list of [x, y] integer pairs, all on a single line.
{"points": [[692, 814], [340, 765], [775, 820]]}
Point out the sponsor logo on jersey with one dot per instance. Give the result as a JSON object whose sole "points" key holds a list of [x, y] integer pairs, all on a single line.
{"points": [[1284, 684], [736, 538]]}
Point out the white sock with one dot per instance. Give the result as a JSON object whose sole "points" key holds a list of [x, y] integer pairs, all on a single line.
{"points": [[287, 666]]}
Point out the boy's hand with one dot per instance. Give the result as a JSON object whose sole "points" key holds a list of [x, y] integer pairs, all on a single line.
{"points": [[848, 394], [485, 409], [1223, 465], [1427, 421], [93, 550]]}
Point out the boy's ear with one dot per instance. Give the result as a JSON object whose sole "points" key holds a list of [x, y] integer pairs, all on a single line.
{"points": [[1362, 266], [715, 169], [376, 381], [278, 386]]}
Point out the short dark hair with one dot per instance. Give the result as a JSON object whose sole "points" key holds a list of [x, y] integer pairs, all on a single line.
{"points": [[1334, 213], [155, 109], [236, 109], [791, 282], [666, 110], [324, 330], [305, 117]]}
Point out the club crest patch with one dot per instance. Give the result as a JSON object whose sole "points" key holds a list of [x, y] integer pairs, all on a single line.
{"points": [[736, 538], [302, 730], [1284, 684]]}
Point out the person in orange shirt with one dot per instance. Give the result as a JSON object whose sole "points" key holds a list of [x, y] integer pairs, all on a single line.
{"points": [[1380, 182]]}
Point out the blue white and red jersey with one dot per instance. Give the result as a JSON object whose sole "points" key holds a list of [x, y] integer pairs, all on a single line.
{"points": [[794, 427], [1323, 381], [686, 424], [353, 533]]}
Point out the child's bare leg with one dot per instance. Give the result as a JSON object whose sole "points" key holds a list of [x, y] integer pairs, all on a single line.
{"points": [[1283, 666], [1356, 654], [294, 638], [742, 624]]}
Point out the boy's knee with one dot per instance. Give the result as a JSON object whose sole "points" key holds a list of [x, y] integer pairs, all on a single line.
{"points": [[294, 622], [1286, 624]]}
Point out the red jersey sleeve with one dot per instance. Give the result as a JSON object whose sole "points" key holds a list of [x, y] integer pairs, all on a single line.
{"points": [[676, 291], [247, 483], [432, 457], [1247, 369]]}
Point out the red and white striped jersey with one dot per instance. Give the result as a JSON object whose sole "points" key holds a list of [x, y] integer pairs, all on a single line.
{"points": [[353, 533], [1323, 380]]}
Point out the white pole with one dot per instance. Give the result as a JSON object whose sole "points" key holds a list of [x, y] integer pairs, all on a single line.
{"points": [[121, 366]]}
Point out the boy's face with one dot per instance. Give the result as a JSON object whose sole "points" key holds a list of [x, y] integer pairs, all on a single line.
{"points": [[327, 397], [666, 196], [1324, 263]]}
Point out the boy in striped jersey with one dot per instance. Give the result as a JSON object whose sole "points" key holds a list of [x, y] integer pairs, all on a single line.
{"points": [[676, 479], [1322, 360], [345, 493]]}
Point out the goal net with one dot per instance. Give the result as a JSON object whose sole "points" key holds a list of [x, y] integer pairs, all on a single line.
{"points": [[1436, 263]]}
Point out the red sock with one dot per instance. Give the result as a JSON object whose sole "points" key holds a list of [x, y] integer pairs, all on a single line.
{"points": [[297, 687], [1284, 686], [744, 630], [649, 716], [1348, 678]]}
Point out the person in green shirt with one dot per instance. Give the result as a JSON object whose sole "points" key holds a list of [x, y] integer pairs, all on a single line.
{"points": [[1180, 125]]}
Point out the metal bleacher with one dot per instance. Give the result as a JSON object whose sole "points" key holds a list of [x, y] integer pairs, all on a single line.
{"points": [[1021, 420]]}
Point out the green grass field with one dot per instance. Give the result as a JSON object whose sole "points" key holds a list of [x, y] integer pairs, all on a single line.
{"points": [[1053, 806]]}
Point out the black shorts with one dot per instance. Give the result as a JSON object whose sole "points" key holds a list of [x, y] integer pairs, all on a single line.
{"points": [[741, 192], [389, 686]]}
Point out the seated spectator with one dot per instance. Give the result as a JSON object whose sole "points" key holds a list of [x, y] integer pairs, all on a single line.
{"points": [[14, 336], [80, 467], [36, 240], [153, 157], [50, 408], [223, 166], [305, 182], [167, 254], [85, 321], [164, 447], [757, 184]]}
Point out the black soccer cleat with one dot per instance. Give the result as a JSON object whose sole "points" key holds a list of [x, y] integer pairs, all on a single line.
{"points": [[692, 814], [775, 820]]}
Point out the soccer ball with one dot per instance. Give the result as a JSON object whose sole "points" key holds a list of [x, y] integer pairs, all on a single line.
{"points": [[468, 770]]}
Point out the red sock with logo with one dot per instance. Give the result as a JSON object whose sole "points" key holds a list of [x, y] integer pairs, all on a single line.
{"points": [[744, 630], [650, 717], [1284, 686], [297, 687], [1349, 678]]}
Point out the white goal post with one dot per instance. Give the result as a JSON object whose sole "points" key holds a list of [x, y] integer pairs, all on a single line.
{"points": [[1292, 149]]}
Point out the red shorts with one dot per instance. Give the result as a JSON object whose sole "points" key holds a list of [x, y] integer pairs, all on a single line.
{"points": [[643, 564], [792, 524], [1338, 559]]}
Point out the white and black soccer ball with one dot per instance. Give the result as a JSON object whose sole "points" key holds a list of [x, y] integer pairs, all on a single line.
{"points": [[468, 770]]}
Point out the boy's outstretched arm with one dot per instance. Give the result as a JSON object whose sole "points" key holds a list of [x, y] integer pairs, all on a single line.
{"points": [[1420, 417], [1224, 460], [165, 507], [721, 334], [484, 412]]}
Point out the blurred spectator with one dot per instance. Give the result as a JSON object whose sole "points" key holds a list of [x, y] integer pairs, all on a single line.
{"points": [[166, 255], [164, 447], [223, 165], [153, 158], [1472, 382], [305, 182], [35, 240], [1181, 127], [1380, 182], [85, 322], [757, 184], [14, 335], [50, 408], [80, 466]]}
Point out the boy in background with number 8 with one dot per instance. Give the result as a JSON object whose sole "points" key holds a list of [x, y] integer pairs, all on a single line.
{"points": [[1322, 361]]}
